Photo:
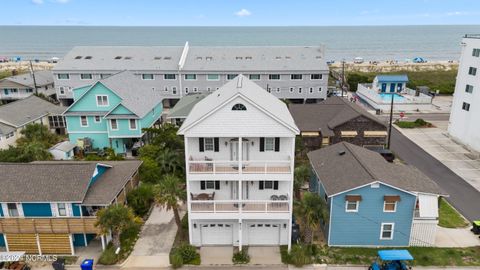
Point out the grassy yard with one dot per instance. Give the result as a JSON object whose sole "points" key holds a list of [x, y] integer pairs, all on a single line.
{"points": [[449, 217], [436, 80], [419, 123]]}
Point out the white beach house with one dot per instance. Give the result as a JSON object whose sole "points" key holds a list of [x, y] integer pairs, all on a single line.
{"points": [[239, 151]]}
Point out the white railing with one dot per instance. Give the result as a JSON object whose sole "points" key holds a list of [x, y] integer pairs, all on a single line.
{"points": [[240, 206], [233, 167]]}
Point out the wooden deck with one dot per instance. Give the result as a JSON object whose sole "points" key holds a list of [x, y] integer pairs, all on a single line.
{"points": [[48, 225]]}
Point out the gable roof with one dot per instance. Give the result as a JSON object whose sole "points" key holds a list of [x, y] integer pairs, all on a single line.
{"points": [[392, 78], [23, 111], [137, 96], [64, 146], [344, 166], [328, 114], [42, 78], [243, 87], [185, 105]]}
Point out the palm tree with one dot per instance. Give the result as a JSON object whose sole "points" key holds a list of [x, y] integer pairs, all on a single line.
{"points": [[302, 174], [35, 151], [170, 162], [311, 210], [115, 219], [169, 193]]}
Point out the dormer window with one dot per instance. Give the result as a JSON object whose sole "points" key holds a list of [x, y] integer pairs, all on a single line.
{"points": [[239, 107]]}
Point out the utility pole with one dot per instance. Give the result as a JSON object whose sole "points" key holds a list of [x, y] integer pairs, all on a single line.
{"points": [[390, 124], [33, 76], [343, 75]]}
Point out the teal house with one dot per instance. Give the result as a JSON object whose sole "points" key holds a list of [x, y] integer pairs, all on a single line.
{"points": [[112, 113], [51, 207], [371, 202]]}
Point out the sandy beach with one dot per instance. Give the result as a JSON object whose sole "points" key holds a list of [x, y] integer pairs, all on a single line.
{"points": [[392, 66], [23, 65]]}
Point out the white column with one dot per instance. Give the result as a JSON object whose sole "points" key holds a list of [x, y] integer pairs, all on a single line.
{"points": [[240, 242], [189, 206], [6, 242], [71, 244], [38, 244], [85, 239], [290, 195], [102, 238], [240, 154]]}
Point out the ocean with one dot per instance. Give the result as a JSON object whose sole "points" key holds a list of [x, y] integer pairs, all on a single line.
{"points": [[341, 42]]}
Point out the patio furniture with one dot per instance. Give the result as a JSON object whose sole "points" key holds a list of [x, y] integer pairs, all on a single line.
{"points": [[203, 197], [212, 197], [274, 198], [283, 197]]}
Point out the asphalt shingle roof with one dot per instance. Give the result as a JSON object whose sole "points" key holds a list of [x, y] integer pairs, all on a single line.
{"points": [[185, 105], [359, 166], [63, 146], [42, 78], [327, 115]]}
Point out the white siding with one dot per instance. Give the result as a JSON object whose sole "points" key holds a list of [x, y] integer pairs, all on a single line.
{"points": [[428, 206]]}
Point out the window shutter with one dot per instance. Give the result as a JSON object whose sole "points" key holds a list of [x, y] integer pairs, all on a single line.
{"points": [[217, 185], [262, 144], [275, 185], [260, 185], [202, 185], [216, 145], [277, 144], [200, 145]]}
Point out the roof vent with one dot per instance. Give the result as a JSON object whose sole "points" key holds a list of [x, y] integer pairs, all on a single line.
{"points": [[78, 57], [128, 57], [118, 57], [88, 57], [157, 58], [341, 153], [167, 58]]}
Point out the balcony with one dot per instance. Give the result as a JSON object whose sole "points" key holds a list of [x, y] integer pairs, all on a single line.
{"points": [[233, 167], [240, 206], [49, 225]]}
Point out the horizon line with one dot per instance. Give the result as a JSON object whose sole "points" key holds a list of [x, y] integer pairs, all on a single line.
{"points": [[199, 26]]}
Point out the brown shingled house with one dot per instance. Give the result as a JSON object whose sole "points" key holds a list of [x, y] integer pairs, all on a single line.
{"points": [[338, 120]]}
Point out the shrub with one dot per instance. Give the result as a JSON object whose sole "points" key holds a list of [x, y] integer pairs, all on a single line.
{"points": [[108, 256], [188, 253], [128, 237], [141, 199], [176, 260], [241, 257], [300, 255]]}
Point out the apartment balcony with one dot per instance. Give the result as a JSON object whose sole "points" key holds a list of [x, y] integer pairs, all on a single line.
{"points": [[215, 167], [255, 209], [49, 225]]}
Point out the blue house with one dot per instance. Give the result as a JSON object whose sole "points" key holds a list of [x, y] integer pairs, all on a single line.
{"points": [[371, 202], [390, 83], [50, 207], [112, 113]]}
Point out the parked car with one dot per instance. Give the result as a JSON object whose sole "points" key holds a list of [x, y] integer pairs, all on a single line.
{"points": [[392, 260]]}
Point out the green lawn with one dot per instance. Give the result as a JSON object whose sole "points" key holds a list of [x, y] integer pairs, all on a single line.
{"points": [[419, 123], [449, 217]]}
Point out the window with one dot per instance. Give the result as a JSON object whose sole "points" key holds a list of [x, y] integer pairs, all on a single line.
{"points": [[315, 76], [268, 185], [351, 206], [269, 144], [319, 89], [102, 101], [186, 90], [469, 88], [147, 77], [63, 76], [86, 76], [296, 77], [166, 89], [254, 77], [62, 90], [9, 135], [62, 209], [389, 206], [213, 77], [169, 77], [29, 90], [174, 90], [476, 52], [190, 77], [311, 90], [133, 124], [12, 210], [210, 185], [239, 107], [195, 89], [299, 90], [472, 71], [97, 119], [231, 76], [386, 232], [114, 124], [292, 89], [278, 89], [274, 77], [103, 76], [208, 144], [466, 106], [83, 121]]}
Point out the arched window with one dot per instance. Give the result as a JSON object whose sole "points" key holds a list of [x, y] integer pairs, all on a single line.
{"points": [[239, 107]]}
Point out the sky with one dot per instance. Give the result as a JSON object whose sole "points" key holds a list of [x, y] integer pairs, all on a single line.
{"points": [[239, 12]]}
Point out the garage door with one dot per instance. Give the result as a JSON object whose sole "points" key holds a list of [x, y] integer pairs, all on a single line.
{"points": [[217, 234], [263, 234], [22, 242], [55, 244]]}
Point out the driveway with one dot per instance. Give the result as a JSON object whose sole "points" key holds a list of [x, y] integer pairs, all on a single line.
{"points": [[462, 237], [156, 239]]}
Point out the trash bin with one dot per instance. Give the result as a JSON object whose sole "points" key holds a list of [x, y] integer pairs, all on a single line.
{"points": [[87, 264], [476, 227], [59, 264]]}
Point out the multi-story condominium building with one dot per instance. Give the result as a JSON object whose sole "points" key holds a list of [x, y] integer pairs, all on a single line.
{"points": [[50, 207], [239, 151], [289, 72], [464, 124], [112, 113], [15, 116], [23, 85]]}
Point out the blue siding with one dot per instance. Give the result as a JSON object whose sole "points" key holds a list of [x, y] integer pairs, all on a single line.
{"points": [[2, 240], [90, 237], [76, 210], [78, 240], [363, 228], [37, 209], [317, 187], [1, 210]]}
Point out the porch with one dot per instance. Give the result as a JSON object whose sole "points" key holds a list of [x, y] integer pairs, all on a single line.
{"points": [[240, 206]]}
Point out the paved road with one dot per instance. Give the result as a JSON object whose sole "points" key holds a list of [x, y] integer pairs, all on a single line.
{"points": [[462, 195]]}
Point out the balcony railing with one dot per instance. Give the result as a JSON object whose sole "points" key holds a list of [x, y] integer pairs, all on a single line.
{"points": [[232, 167], [234, 206], [49, 225]]}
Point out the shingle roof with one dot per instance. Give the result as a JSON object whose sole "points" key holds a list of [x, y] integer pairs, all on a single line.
{"points": [[23, 111], [65, 146], [327, 115], [42, 78], [5, 129], [393, 78], [359, 166], [185, 105], [244, 87]]}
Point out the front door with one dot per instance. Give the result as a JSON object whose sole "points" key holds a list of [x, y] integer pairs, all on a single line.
{"points": [[234, 154], [392, 87], [384, 87]]}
